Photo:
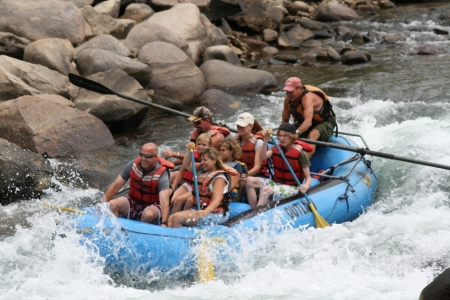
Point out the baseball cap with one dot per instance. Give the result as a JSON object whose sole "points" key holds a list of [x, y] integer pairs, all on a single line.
{"points": [[245, 119], [292, 83], [200, 113], [287, 127]]}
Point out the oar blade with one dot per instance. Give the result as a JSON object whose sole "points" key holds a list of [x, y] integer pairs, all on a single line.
{"points": [[320, 222], [205, 266], [62, 208], [90, 85]]}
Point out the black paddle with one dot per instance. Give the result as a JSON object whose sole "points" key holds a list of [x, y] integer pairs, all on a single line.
{"points": [[364, 151], [101, 89]]}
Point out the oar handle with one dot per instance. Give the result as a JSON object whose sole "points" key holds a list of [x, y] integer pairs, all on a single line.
{"points": [[364, 151], [197, 196]]}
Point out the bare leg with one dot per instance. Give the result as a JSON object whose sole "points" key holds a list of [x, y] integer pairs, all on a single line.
{"points": [[313, 135], [179, 201], [266, 191], [251, 184], [186, 218], [119, 207], [190, 202], [150, 215], [180, 191]]}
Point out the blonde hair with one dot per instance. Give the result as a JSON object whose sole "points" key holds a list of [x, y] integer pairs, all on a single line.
{"points": [[214, 155], [232, 145], [293, 136], [204, 137]]}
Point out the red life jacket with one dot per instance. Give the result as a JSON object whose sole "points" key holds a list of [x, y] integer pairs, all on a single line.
{"points": [[325, 110], [212, 132], [248, 155], [203, 179], [144, 188], [188, 175], [282, 174]]}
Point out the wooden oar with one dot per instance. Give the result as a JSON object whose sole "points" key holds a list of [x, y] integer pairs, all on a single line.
{"points": [[320, 222], [205, 266], [62, 208], [364, 151], [101, 89]]}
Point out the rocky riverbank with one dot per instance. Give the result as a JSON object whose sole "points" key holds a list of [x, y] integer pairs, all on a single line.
{"points": [[208, 54]]}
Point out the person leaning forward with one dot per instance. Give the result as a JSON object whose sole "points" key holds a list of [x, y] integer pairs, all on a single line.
{"points": [[148, 198], [312, 111]]}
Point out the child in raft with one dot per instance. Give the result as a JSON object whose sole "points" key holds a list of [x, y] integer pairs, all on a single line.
{"points": [[184, 192], [230, 152], [283, 184]]}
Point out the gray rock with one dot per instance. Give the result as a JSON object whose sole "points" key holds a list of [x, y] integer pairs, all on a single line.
{"points": [[294, 37], [289, 58], [30, 19], [109, 8], [12, 45], [138, 12], [311, 44], [219, 9], [174, 75], [237, 80], [313, 25], [192, 26], [219, 102], [55, 54], [22, 78], [269, 51], [80, 3], [105, 42], [98, 60], [221, 52], [438, 289], [51, 128], [147, 32], [334, 11], [23, 174], [269, 35], [103, 24], [354, 57], [117, 113], [167, 4]]}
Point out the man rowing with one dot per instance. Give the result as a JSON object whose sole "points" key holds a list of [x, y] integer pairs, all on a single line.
{"points": [[312, 111]]}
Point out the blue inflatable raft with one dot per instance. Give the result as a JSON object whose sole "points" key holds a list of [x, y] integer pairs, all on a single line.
{"points": [[347, 188]]}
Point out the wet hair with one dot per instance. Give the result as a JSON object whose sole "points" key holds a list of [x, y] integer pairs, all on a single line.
{"points": [[205, 137], [256, 127], [214, 155], [293, 136], [232, 145]]}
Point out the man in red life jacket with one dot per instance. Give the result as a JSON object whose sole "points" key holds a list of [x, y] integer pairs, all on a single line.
{"points": [[202, 119], [148, 198], [312, 111]]}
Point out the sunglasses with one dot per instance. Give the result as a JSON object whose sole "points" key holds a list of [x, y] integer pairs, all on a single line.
{"points": [[198, 122], [147, 156]]}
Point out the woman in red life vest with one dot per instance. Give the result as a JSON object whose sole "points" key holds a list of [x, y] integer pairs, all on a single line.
{"points": [[184, 192], [284, 184], [213, 183]]}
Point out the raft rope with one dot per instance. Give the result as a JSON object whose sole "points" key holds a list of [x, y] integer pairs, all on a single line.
{"points": [[345, 196]]}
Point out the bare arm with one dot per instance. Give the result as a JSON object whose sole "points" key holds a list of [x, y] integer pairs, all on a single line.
{"points": [[164, 202], [216, 139], [305, 186], [258, 162], [266, 154], [308, 112], [285, 114], [178, 177], [114, 188]]}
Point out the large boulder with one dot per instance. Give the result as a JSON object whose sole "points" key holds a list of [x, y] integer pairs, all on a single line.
{"points": [[51, 128], [12, 45], [147, 32], [333, 11], [293, 38], [438, 289], [105, 42], [174, 75], [55, 54], [104, 24], [109, 8], [23, 174], [18, 78], [237, 80], [222, 52], [117, 113], [37, 20], [219, 102], [260, 14], [138, 12], [192, 26], [98, 60]]}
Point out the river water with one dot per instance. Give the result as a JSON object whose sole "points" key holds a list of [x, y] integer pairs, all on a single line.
{"points": [[398, 102]]}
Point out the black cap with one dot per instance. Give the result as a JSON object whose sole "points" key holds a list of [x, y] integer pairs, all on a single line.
{"points": [[287, 127]]}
